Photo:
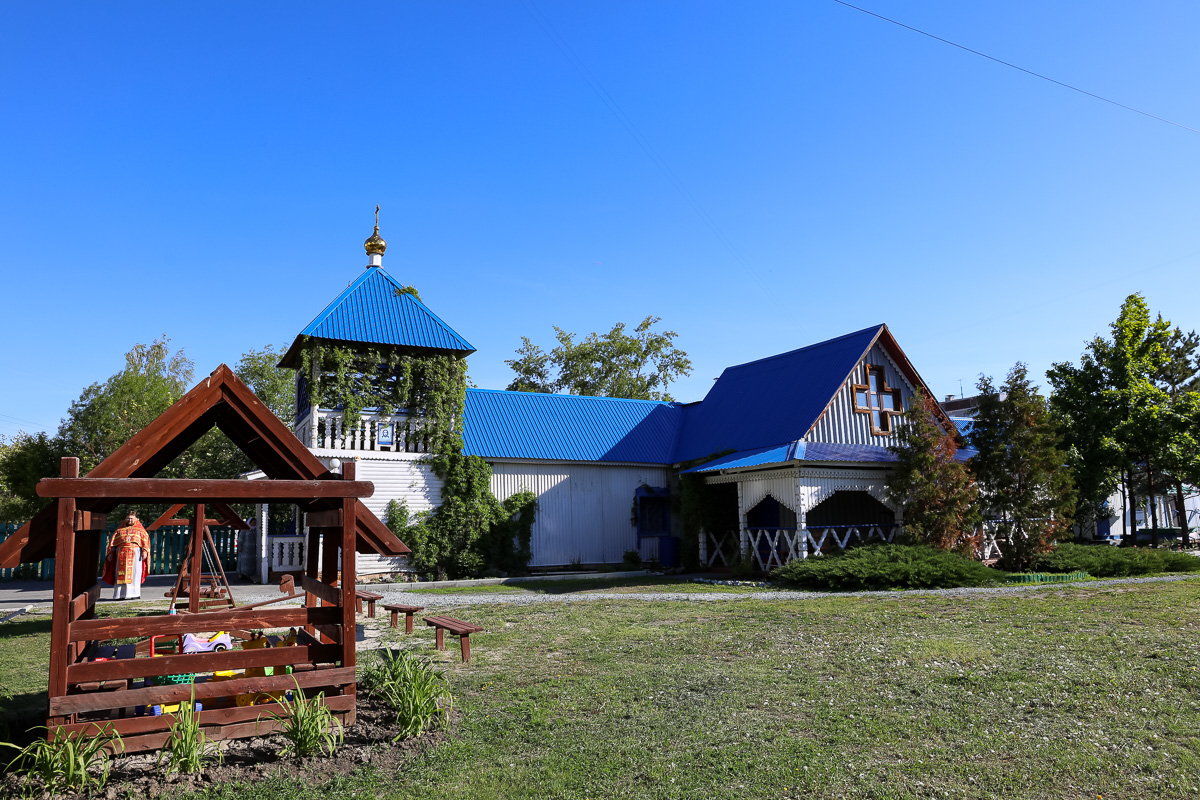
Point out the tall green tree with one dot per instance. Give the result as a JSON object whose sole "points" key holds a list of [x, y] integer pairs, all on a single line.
{"points": [[1025, 487], [1179, 457], [638, 365], [274, 385], [24, 460], [935, 489]]}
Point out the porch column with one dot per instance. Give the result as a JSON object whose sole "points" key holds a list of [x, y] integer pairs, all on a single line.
{"points": [[703, 548], [801, 520], [743, 534], [264, 559]]}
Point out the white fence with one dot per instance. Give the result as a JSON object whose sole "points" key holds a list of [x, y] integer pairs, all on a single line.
{"points": [[286, 553], [372, 432]]}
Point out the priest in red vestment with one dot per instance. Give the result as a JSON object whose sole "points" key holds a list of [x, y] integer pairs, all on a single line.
{"points": [[128, 560]]}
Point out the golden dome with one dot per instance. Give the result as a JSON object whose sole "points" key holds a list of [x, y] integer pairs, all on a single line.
{"points": [[375, 245]]}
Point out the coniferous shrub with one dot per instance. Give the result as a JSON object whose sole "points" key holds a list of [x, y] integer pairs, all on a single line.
{"points": [[886, 566], [1114, 562]]}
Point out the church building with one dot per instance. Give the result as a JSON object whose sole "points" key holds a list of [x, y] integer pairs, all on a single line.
{"points": [[797, 443]]}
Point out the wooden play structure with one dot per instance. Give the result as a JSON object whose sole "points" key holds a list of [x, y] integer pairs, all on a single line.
{"points": [[134, 687]]}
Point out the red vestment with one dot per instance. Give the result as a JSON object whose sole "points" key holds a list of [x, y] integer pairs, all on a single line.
{"points": [[118, 567]]}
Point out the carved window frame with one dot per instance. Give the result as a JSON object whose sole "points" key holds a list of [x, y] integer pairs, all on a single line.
{"points": [[875, 398]]}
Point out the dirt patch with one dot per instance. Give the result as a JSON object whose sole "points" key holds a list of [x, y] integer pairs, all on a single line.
{"points": [[369, 740]]}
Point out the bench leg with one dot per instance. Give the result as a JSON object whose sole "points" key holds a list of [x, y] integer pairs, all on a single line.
{"points": [[371, 609], [408, 622], [396, 620], [357, 605], [465, 640], [441, 638]]}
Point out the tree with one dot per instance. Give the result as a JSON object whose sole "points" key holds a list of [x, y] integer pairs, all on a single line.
{"points": [[933, 487], [274, 385], [640, 365], [1180, 457], [1024, 483], [24, 460], [106, 415]]}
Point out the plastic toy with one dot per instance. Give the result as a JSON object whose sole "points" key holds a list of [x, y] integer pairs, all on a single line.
{"points": [[215, 643]]}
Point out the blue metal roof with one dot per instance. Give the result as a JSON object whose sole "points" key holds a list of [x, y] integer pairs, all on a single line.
{"points": [[499, 424], [373, 310], [807, 451], [773, 401]]}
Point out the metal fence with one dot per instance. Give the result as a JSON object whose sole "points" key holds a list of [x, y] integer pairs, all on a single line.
{"points": [[168, 546]]}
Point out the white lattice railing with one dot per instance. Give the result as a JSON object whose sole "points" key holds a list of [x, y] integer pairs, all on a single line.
{"points": [[774, 547], [372, 432], [286, 553]]}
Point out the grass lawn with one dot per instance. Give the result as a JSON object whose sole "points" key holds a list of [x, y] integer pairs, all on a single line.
{"points": [[1059, 692], [652, 583]]}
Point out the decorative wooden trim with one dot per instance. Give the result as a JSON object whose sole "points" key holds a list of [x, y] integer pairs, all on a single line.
{"points": [[187, 490]]}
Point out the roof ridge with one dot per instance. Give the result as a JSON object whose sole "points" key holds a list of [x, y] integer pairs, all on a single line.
{"points": [[574, 396], [806, 347]]}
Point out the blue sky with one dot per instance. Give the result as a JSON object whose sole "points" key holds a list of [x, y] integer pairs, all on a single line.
{"points": [[764, 176]]}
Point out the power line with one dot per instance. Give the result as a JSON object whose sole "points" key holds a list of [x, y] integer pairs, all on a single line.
{"points": [[1014, 66]]}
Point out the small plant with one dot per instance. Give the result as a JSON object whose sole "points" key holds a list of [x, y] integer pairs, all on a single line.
{"points": [[308, 725], [419, 695], [188, 748], [66, 761], [632, 559]]}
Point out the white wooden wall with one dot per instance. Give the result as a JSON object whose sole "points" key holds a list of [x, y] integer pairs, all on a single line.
{"points": [[405, 480], [583, 509], [841, 423]]}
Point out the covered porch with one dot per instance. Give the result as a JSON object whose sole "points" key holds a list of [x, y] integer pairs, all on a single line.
{"points": [[796, 512]]}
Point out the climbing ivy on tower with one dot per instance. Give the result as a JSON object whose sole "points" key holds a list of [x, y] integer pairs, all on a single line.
{"points": [[471, 531]]}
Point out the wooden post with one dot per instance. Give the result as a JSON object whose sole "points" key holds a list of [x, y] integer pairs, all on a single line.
{"points": [[311, 556], [349, 559], [64, 573], [197, 559]]}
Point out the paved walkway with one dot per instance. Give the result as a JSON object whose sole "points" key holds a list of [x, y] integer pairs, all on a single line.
{"points": [[38, 594]]}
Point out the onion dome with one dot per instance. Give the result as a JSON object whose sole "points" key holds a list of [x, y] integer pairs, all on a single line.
{"points": [[375, 245]]}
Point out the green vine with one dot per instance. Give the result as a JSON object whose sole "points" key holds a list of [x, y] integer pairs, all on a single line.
{"points": [[432, 387]]}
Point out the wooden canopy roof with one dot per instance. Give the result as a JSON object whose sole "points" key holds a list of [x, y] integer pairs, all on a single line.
{"points": [[220, 400]]}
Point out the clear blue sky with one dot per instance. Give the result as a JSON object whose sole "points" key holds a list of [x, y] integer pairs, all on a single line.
{"points": [[209, 171]]}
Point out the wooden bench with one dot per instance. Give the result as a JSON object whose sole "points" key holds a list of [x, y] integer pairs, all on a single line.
{"points": [[457, 627], [370, 597], [407, 611]]}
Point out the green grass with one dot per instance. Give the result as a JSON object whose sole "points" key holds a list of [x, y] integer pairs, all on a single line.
{"points": [[1063, 692], [652, 583]]}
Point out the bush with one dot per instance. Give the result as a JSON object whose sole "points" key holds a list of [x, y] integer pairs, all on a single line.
{"points": [[65, 761], [887, 566], [631, 559], [1115, 562], [420, 696]]}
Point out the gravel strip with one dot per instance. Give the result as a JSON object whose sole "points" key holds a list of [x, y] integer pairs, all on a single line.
{"points": [[419, 598]]}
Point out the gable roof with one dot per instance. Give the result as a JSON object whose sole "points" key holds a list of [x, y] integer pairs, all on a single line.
{"points": [[772, 401], [220, 400], [373, 309], [502, 424]]}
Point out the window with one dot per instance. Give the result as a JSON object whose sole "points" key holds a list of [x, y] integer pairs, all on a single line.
{"points": [[877, 399]]}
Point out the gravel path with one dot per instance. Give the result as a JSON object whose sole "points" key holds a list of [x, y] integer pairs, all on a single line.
{"points": [[419, 598]]}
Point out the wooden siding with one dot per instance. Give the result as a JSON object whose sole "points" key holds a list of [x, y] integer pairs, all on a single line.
{"points": [[583, 509], [406, 480], [841, 424]]}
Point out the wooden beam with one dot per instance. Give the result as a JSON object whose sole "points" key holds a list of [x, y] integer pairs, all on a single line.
{"points": [[197, 562], [174, 490], [231, 519], [99, 701], [349, 562], [129, 668], [64, 574], [90, 521], [175, 624], [133, 726], [216, 733], [330, 594], [166, 518], [83, 602], [331, 518]]}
